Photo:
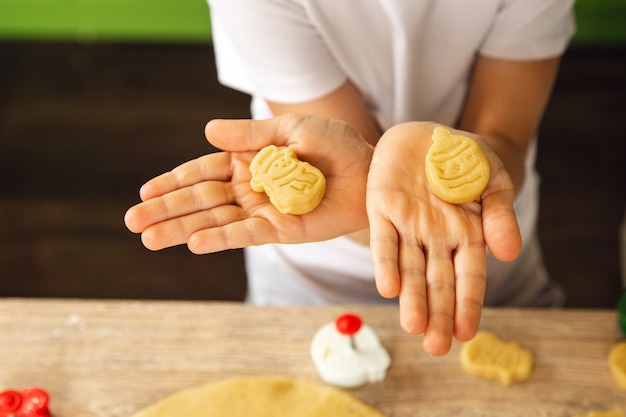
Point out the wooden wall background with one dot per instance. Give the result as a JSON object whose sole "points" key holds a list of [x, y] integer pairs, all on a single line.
{"points": [[82, 126]]}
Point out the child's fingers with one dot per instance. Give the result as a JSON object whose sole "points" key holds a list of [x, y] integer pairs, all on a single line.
{"points": [[440, 281], [413, 293], [211, 167], [500, 227], [248, 135], [248, 231], [178, 231], [384, 248], [178, 203], [470, 264]]}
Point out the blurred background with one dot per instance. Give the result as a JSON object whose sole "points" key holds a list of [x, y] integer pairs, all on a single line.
{"points": [[98, 96]]}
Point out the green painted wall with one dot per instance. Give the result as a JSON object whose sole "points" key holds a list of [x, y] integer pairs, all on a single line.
{"points": [[106, 20], [599, 21]]}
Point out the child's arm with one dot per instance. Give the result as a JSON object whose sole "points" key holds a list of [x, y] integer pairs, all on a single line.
{"points": [[430, 253]]}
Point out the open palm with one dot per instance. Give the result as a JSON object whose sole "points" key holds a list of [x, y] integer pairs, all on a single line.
{"points": [[428, 252], [208, 202]]}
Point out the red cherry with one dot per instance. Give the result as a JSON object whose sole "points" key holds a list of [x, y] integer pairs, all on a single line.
{"points": [[348, 324], [10, 401], [35, 401]]}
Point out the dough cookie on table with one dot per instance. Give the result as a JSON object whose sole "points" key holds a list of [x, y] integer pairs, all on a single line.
{"points": [[457, 170], [260, 397], [293, 186], [617, 363], [487, 356]]}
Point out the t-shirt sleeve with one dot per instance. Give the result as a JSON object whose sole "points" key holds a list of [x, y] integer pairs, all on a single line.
{"points": [[270, 48], [530, 29]]}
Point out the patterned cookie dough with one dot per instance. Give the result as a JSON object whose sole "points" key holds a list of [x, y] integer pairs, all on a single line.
{"points": [[293, 186], [457, 170], [487, 356]]}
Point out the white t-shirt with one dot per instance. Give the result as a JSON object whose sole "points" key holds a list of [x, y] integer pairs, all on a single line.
{"points": [[411, 60]]}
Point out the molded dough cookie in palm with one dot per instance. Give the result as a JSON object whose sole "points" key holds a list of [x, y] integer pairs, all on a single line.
{"points": [[457, 170], [293, 186]]}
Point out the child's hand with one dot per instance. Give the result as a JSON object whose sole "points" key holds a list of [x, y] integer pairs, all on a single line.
{"points": [[431, 253], [208, 202]]}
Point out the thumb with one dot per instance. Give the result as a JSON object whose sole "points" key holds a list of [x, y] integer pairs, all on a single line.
{"points": [[500, 228], [246, 135]]}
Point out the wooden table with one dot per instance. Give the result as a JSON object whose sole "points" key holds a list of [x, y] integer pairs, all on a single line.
{"points": [[111, 358]]}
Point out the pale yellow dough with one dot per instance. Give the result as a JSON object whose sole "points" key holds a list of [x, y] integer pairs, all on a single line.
{"points": [[456, 168], [260, 397], [489, 357], [293, 186], [617, 363]]}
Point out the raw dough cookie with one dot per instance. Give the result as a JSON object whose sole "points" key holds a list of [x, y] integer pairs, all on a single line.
{"points": [[489, 357], [293, 186], [617, 362], [260, 397], [457, 170]]}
